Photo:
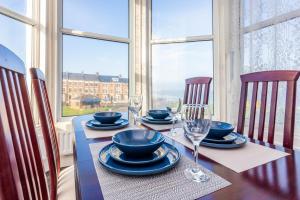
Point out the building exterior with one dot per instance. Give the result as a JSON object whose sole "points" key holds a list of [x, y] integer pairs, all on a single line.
{"points": [[82, 90]]}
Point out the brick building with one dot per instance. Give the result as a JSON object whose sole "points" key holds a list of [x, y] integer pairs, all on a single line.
{"points": [[91, 90]]}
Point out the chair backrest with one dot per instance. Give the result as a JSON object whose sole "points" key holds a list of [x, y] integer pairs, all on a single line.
{"points": [[266, 77], [22, 174], [194, 89], [47, 125]]}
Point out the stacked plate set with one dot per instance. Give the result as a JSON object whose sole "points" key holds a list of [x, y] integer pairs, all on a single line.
{"points": [[221, 136], [107, 121], [138, 152], [158, 117]]}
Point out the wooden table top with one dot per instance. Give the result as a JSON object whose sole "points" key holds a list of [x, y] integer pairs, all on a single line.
{"points": [[279, 179]]}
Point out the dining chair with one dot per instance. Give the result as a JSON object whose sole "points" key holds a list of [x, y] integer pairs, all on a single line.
{"points": [[21, 169], [265, 78], [51, 140], [197, 89]]}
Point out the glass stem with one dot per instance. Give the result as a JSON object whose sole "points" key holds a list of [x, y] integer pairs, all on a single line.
{"points": [[134, 119], [173, 123], [196, 148]]}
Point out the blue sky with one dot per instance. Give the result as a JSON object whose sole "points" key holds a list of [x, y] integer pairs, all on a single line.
{"points": [[89, 55], [17, 5], [180, 18], [173, 63], [109, 17], [13, 36]]}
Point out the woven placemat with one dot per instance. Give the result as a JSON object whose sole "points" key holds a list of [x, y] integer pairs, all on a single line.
{"points": [[249, 156], [169, 185]]}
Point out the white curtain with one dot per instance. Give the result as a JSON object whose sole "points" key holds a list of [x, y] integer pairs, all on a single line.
{"points": [[273, 47]]}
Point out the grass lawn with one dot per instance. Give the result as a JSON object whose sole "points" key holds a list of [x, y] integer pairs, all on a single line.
{"points": [[69, 111]]}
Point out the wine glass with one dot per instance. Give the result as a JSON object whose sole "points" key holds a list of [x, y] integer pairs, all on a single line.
{"points": [[174, 109], [196, 121], [135, 105]]}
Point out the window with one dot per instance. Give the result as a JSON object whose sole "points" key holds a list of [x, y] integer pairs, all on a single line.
{"points": [[96, 53], [271, 41], [176, 18], [182, 46], [173, 63], [20, 44], [16, 17], [97, 16]]}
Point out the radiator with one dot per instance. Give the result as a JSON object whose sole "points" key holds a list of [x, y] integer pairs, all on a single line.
{"points": [[65, 134], [65, 138], [65, 143]]}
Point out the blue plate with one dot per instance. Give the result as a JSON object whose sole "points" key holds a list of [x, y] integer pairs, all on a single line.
{"points": [[118, 155], [145, 119], [90, 125], [153, 119], [224, 140], [238, 142], [97, 123], [165, 164]]}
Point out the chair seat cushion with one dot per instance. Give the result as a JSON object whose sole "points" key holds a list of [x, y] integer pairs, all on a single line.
{"points": [[66, 184]]}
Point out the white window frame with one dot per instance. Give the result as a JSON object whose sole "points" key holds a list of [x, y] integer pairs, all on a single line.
{"points": [[37, 45], [34, 22], [79, 33], [214, 38]]}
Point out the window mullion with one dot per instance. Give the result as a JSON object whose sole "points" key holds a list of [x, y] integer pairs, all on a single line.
{"points": [[98, 36], [17, 16], [183, 40]]}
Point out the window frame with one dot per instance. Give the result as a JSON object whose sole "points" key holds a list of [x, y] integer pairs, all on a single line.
{"points": [[97, 36], [213, 37], [34, 22], [38, 41]]}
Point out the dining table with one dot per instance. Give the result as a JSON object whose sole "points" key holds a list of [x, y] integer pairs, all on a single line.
{"points": [[278, 179]]}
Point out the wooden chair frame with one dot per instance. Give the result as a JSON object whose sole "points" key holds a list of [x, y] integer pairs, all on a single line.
{"points": [[193, 90], [22, 174], [48, 128], [266, 77]]}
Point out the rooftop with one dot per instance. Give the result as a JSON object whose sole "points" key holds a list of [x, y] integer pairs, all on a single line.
{"points": [[94, 77]]}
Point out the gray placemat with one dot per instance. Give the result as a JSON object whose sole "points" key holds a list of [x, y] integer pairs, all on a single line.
{"points": [[169, 185], [249, 156]]}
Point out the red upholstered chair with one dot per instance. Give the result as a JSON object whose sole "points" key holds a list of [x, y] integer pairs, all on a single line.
{"points": [[273, 78], [21, 169], [193, 90], [51, 141]]}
